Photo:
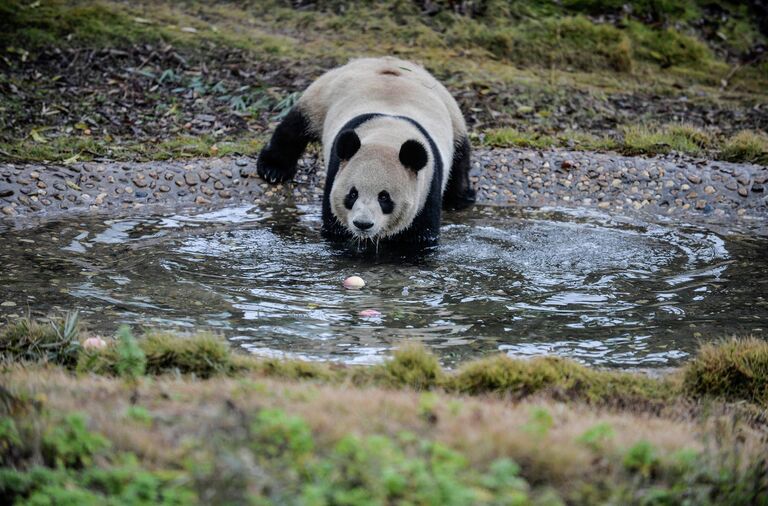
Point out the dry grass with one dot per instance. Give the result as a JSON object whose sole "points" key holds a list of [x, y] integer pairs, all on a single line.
{"points": [[482, 429]]}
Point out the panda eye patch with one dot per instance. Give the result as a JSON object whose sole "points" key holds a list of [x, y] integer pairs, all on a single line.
{"points": [[349, 200], [385, 201]]}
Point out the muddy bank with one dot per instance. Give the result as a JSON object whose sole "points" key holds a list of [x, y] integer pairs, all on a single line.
{"points": [[726, 195]]}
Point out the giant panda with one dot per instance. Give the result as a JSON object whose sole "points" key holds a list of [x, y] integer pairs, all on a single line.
{"points": [[395, 149]]}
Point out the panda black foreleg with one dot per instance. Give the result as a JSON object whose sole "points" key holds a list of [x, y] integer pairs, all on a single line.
{"points": [[459, 193], [277, 160]]}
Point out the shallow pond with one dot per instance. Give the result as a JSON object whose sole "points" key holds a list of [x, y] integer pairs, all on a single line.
{"points": [[586, 286]]}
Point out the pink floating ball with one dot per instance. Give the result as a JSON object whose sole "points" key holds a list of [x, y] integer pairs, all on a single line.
{"points": [[94, 343], [369, 313], [354, 283]]}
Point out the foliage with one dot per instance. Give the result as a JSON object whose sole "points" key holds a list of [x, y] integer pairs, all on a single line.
{"points": [[71, 443], [55, 341], [131, 359]]}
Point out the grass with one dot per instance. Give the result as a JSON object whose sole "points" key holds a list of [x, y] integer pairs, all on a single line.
{"points": [[207, 355], [557, 48], [642, 139], [199, 423], [70, 149], [747, 146]]}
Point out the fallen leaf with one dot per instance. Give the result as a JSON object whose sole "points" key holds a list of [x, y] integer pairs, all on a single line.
{"points": [[72, 184], [37, 137], [70, 161]]}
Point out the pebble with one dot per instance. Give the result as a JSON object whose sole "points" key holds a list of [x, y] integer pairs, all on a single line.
{"points": [[94, 343], [694, 178], [354, 283], [8, 303]]}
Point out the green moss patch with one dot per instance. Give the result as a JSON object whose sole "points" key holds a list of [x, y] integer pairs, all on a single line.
{"points": [[732, 369]]}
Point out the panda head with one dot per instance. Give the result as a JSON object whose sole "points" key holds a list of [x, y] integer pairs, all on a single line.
{"points": [[376, 192]]}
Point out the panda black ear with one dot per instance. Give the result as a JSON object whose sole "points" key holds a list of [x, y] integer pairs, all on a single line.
{"points": [[347, 144], [413, 155]]}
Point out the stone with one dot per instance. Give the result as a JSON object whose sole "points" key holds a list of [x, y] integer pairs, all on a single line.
{"points": [[758, 188], [9, 211], [743, 191], [163, 188], [693, 178], [5, 192], [140, 182], [709, 190], [190, 178], [218, 185], [201, 200]]}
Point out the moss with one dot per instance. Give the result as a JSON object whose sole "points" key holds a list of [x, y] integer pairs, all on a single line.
{"points": [[561, 377], [289, 369], [746, 146], [733, 369], [411, 366], [202, 354]]}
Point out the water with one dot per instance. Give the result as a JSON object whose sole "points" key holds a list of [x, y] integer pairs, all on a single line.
{"points": [[600, 290]]}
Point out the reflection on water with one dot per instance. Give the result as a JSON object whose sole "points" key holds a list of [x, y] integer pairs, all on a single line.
{"points": [[526, 283]]}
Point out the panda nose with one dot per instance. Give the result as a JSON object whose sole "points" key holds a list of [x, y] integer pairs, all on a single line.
{"points": [[363, 225]]}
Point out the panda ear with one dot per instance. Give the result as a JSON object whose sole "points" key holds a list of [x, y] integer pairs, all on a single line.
{"points": [[413, 155], [347, 144]]}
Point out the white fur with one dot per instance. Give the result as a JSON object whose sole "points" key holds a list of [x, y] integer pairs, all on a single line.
{"points": [[393, 87]]}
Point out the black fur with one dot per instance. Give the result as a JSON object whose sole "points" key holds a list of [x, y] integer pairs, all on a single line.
{"points": [[385, 202], [277, 161], [459, 193], [413, 155], [347, 145], [351, 198], [425, 228]]}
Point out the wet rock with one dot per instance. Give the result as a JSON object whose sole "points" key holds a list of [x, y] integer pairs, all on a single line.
{"points": [[141, 194], [693, 178], [190, 178], [206, 190], [201, 200], [163, 188], [6, 192], [758, 188], [709, 190], [743, 191], [140, 182], [9, 211], [225, 194], [218, 185]]}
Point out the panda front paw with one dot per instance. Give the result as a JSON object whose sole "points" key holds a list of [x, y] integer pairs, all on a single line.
{"points": [[274, 169]]}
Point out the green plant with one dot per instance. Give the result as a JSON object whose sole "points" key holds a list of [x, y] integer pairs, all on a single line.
{"points": [[131, 360], [70, 443], [642, 458], [277, 434]]}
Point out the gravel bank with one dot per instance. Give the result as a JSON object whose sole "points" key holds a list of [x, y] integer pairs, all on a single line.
{"points": [[725, 195]]}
